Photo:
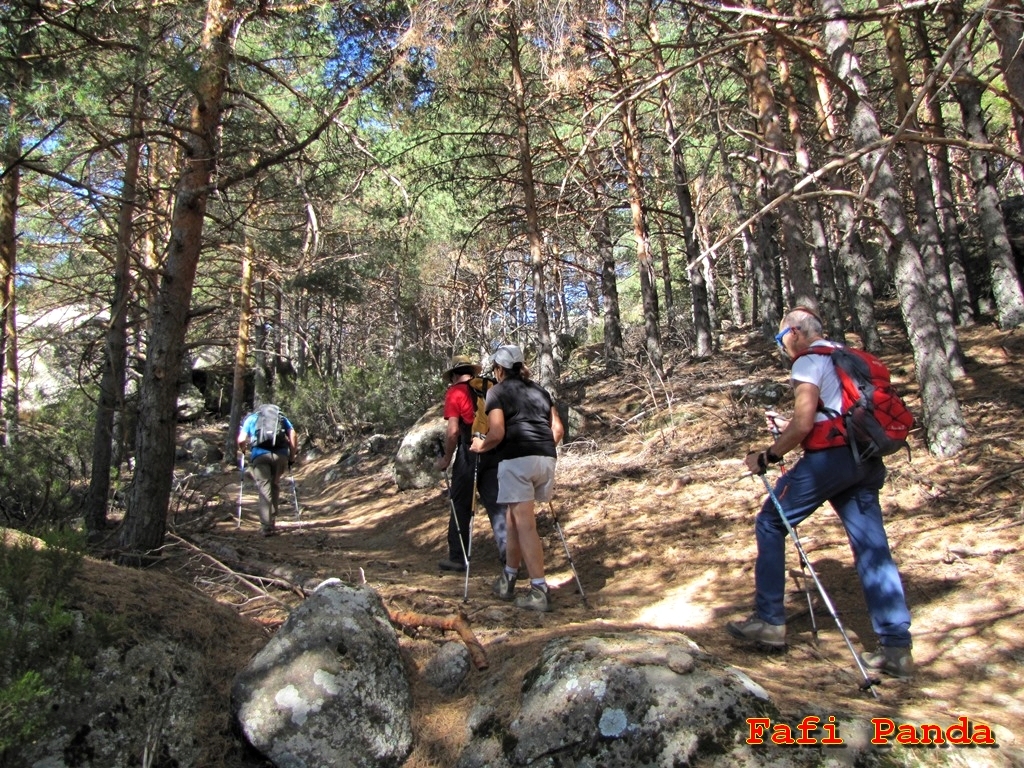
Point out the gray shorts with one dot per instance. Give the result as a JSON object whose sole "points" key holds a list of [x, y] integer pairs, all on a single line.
{"points": [[528, 478]]}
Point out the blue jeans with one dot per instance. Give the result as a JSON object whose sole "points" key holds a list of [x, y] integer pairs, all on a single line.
{"points": [[834, 476]]}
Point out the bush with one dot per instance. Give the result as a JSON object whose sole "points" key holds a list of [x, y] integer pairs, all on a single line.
{"points": [[379, 399], [45, 644], [42, 472]]}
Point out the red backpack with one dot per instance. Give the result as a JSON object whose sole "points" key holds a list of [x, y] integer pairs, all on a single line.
{"points": [[876, 417]]}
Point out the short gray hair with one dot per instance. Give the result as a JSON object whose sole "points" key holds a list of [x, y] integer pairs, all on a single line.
{"points": [[805, 320]]}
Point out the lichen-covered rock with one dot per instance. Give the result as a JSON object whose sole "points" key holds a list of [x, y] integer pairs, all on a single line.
{"points": [[414, 463], [448, 667], [144, 700], [329, 688], [623, 701]]}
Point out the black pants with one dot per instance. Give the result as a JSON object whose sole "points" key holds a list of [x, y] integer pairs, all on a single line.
{"points": [[463, 467]]}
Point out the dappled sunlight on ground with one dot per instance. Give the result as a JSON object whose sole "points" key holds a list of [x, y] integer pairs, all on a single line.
{"points": [[658, 518]]}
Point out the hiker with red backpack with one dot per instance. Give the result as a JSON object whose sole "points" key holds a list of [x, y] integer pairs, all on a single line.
{"points": [[273, 446], [837, 468], [471, 475]]}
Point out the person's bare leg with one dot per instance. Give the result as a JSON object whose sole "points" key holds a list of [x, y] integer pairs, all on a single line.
{"points": [[513, 552], [524, 521]]}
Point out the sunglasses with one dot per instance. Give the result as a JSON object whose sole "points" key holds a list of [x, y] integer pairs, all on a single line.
{"points": [[781, 335]]}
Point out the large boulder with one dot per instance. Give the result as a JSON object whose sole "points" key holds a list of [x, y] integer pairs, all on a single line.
{"points": [[329, 688], [414, 463], [148, 698], [154, 691], [623, 700]]}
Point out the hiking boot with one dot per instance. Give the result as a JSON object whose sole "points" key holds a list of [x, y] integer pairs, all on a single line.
{"points": [[534, 600], [505, 586], [452, 565], [759, 631], [265, 532], [898, 662]]}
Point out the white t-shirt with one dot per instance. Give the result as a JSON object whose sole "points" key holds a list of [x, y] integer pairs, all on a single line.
{"points": [[818, 370]]}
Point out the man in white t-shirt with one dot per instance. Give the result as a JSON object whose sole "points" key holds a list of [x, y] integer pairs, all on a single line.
{"points": [[827, 471]]}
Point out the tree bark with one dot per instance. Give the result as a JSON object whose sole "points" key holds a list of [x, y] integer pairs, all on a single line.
{"points": [[929, 235], [1006, 288], [241, 354], [24, 34], [644, 260], [798, 275], [10, 186], [145, 521], [942, 184], [110, 398], [944, 425], [703, 341], [547, 367], [1007, 23], [850, 252], [818, 245]]}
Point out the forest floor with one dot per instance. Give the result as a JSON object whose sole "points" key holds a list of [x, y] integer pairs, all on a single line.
{"points": [[659, 521]]}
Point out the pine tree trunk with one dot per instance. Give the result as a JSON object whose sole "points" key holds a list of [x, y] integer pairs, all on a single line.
{"points": [[10, 191], [942, 184], [1008, 25], [10, 186], [818, 246], [929, 236], [780, 180], [110, 397], [241, 354], [860, 286], [944, 425], [145, 521], [645, 266], [1006, 288], [698, 287], [547, 367]]}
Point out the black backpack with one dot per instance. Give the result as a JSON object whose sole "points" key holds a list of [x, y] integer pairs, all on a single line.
{"points": [[269, 431]]}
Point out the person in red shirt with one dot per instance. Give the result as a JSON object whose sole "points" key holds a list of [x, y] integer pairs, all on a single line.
{"points": [[459, 411]]}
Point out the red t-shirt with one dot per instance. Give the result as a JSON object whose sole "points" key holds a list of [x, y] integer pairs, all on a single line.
{"points": [[459, 402]]}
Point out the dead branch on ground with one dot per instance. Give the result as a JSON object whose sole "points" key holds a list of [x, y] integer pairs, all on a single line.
{"points": [[457, 624]]}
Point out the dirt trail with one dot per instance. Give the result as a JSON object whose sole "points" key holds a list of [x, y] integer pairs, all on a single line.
{"points": [[660, 530]]}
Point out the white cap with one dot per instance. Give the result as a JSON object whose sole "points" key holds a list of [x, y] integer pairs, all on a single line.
{"points": [[508, 356]]}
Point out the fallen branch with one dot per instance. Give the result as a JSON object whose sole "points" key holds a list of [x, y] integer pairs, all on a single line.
{"points": [[999, 479], [451, 623], [248, 580]]}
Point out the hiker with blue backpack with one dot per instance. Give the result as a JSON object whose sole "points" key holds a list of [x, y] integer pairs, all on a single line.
{"points": [[273, 446], [837, 468]]}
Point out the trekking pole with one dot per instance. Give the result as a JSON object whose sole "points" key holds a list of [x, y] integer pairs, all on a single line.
{"points": [[472, 517], [774, 429], [241, 487], [868, 683], [579, 584], [458, 530], [295, 496]]}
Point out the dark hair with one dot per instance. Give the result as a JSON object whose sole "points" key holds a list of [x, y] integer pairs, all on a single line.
{"points": [[517, 371]]}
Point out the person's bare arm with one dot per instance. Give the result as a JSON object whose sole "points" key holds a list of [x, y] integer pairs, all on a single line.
{"points": [[451, 440], [495, 432], [799, 425], [557, 428]]}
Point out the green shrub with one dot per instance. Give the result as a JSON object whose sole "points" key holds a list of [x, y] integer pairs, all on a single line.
{"points": [[46, 645], [380, 398], [44, 469]]}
